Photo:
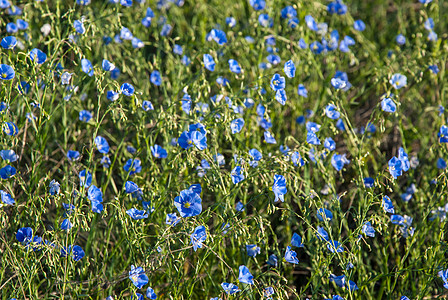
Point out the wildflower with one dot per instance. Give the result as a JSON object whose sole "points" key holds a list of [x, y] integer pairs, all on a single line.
{"points": [[197, 237], [158, 152], [359, 25], [237, 175], [137, 214], [66, 224], [443, 134], [38, 56], [323, 213], [277, 82], [280, 96], [400, 39], [398, 81], [388, 105], [24, 235], [236, 125], [395, 167], [234, 66], [301, 91], [330, 144], [9, 42], [289, 69], [269, 138], [7, 172], [209, 62], [188, 203], [369, 182], [6, 72], [334, 246], [127, 89], [87, 67], [85, 178], [107, 65], [172, 219], [150, 294], [338, 280], [230, 288], [291, 256], [368, 230], [322, 234], [296, 240], [252, 250], [155, 78], [245, 276], [138, 276], [279, 187], [102, 145], [133, 166], [6, 198], [297, 159]]}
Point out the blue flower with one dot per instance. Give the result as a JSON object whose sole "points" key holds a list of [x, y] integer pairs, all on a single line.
{"points": [[400, 39], [230, 288], [150, 294], [245, 276], [199, 139], [324, 213], [330, 144], [398, 81], [291, 256], [334, 246], [188, 203], [443, 134], [66, 224], [368, 230], [359, 25], [147, 105], [280, 96], [297, 159], [85, 178], [7, 172], [296, 240], [24, 235], [87, 67], [322, 234], [290, 69], [197, 237], [9, 42], [8, 155], [127, 89], [269, 138], [6, 72], [234, 66], [279, 187], [79, 26], [369, 182], [107, 65], [177, 49], [138, 276], [434, 69], [312, 139], [301, 91], [331, 112], [236, 125], [6, 198], [172, 219], [388, 105], [218, 36], [443, 274], [102, 145], [395, 167], [133, 166], [338, 280], [73, 155], [137, 43], [277, 82], [352, 286], [265, 20], [252, 250], [94, 194], [155, 78], [311, 23], [38, 56], [237, 175], [137, 214], [338, 161], [105, 161], [112, 95], [388, 205], [338, 83], [209, 62], [158, 152], [441, 164], [85, 116]]}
